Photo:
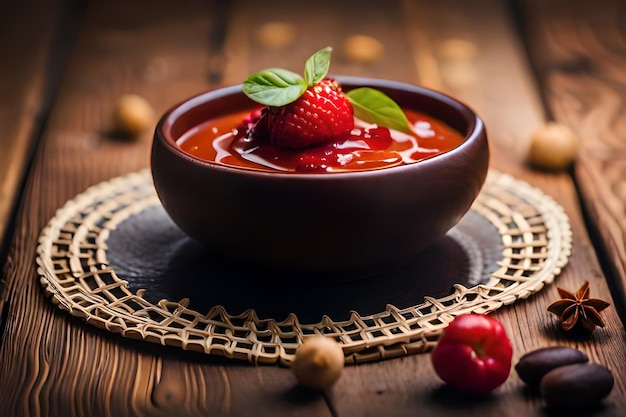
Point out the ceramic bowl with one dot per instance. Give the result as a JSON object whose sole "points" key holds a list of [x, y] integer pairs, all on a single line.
{"points": [[338, 224]]}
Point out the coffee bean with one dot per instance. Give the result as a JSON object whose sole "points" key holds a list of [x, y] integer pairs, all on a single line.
{"points": [[576, 386], [534, 365]]}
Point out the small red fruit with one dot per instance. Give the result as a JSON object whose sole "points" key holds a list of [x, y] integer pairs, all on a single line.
{"points": [[473, 354], [322, 114], [250, 120]]}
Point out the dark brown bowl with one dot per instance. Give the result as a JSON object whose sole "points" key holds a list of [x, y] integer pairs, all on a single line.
{"points": [[340, 224]]}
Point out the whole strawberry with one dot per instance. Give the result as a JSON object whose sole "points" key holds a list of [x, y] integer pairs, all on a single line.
{"points": [[322, 114], [309, 111]]}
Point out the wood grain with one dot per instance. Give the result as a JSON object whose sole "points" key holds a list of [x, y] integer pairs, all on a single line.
{"points": [[51, 364], [28, 79], [580, 56]]}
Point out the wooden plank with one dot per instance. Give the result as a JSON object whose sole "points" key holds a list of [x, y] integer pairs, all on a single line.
{"points": [[28, 79], [580, 55], [29, 74]]}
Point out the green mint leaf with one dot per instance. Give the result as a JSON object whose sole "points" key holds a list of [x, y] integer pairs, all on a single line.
{"points": [[374, 106], [274, 87], [316, 66]]}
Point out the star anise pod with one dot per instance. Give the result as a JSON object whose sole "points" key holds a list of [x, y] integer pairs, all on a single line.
{"points": [[574, 308]]}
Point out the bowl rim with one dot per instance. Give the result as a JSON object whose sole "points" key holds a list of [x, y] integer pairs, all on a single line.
{"points": [[475, 129]]}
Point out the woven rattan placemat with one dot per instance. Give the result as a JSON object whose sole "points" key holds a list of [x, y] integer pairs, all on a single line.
{"points": [[112, 257]]}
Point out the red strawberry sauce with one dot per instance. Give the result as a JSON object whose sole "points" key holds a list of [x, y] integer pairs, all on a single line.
{"points": [[368, 147]]}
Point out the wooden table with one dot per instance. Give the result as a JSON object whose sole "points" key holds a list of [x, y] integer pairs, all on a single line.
{"points": [[518, 63]]}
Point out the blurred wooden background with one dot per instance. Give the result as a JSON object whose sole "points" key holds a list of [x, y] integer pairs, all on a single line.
{"points": [[519, 63]]}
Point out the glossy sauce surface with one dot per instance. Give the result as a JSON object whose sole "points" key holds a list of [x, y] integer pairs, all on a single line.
{"points": [[223, 140]]}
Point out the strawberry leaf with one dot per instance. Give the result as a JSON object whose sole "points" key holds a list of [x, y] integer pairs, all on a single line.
{"points": [[374, 106], [274, 87], [317, 66]]}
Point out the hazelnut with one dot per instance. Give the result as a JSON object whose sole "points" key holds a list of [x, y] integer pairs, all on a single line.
{"points": [[553, 147], [362, 49], [276, 35], [318, 362], [132, 115]]}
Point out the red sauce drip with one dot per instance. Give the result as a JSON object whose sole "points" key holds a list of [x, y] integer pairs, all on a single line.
{"points": [[223, 140]]}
